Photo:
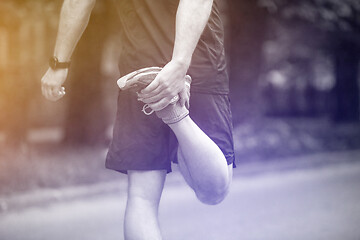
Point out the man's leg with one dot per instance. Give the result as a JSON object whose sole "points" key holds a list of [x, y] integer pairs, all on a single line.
{"points": [[201, 162], [209, 198], [141, 215]]}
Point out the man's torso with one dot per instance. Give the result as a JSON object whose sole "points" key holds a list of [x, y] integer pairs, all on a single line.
{"points": [[148, 33]]}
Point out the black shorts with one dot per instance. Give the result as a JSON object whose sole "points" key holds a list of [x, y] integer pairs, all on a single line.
{"points": [[142, 142]]}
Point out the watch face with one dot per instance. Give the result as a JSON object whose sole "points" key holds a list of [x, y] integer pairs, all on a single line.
{"points": [[52, 62]]}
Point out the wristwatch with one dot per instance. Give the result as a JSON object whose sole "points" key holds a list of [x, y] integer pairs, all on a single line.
{"points": [[55, 64]]}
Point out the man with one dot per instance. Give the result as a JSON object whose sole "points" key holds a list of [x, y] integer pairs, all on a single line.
{"points": [[183, 37]]}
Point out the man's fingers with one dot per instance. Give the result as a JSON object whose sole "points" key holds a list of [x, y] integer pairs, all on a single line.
{"points": [[51, 84], [57, 93], [156, 97], [153, 93], [187, 103], [62, 91], [151, 87], [157, 106], [52, 93], [183, 97], [151, 99], [48, 92]]}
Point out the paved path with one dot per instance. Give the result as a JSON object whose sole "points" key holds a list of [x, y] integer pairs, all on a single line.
{"points": [[313, 203]]}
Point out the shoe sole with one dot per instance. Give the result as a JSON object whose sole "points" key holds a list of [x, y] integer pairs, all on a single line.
{"points": [[138, 80]]}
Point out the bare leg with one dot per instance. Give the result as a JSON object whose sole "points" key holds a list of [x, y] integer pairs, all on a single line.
{"points": [[141, 215], [201, 162], [205, 198]]}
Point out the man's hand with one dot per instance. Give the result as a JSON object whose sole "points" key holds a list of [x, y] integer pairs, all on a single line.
{"points": [[169, 83], [74, 17], [191, 19], [51, 84]]}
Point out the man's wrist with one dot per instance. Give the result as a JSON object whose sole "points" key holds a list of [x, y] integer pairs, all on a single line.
{"points": [[62, 54], [55, 64], [182, 62]]}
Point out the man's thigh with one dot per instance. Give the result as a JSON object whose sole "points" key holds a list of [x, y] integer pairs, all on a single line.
{"points": [[140, 142], [212, 113], [146, 185]]}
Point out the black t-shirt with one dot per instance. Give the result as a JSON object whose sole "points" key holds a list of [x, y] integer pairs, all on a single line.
{"points": [[148, 34]]}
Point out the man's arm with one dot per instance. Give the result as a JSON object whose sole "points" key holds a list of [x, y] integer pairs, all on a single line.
{"points": [[74, 18], [191, 19]]}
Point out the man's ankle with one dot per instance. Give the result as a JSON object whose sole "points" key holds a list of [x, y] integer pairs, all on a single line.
{"points": [[173, 113]]}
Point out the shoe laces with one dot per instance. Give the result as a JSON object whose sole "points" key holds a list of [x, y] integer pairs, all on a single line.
{"points": [[146, 106]]}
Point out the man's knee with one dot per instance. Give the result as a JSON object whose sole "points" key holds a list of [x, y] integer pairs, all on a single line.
{"points": [[215, 192], [213, 196]]}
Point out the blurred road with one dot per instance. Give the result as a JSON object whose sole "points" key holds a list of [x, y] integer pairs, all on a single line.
{"points": [[312, 203]]}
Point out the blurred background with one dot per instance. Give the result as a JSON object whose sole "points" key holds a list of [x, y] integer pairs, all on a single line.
{"points": [[294, 81]]}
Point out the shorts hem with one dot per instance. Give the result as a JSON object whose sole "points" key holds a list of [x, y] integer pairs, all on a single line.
{"points": [[230, 159], [125, 170]]}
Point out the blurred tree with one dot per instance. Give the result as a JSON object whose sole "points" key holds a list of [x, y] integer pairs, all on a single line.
{"points": [[14, 82], [85, 123], [340, 21], [247, 34]]}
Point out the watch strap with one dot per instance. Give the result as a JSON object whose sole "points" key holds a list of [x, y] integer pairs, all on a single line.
{"points": [[55, 64]]}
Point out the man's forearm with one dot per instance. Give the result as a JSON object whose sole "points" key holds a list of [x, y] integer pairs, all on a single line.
{"points": [[191, 19], [74, 18]]}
